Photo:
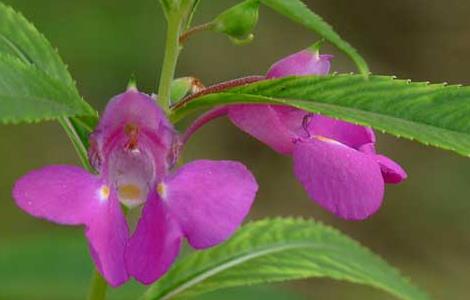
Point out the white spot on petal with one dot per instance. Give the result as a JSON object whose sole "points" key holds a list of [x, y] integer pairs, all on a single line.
{"points": [[161, 190], [103, 193]]}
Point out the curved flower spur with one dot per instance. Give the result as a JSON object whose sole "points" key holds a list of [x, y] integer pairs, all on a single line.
{"points": [[334, 160], [133, 149]]}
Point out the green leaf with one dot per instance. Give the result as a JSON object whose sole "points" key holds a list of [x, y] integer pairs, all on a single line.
{"points": [[433, 114], [20, 38], [279, 250], [29, 95], [298, 12]]}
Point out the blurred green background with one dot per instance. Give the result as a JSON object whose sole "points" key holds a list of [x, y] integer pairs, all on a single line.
{"points": [[423, 227]]}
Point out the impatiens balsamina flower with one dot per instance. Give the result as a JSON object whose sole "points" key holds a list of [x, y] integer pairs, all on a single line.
{"points": [[133, 149], [334, 160]]}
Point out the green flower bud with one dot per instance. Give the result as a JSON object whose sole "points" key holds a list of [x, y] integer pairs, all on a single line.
{"points": [[238, 21], [184, 86]]}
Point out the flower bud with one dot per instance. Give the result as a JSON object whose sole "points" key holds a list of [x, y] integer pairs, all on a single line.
{"points": [[184, 86], [238, 21]]}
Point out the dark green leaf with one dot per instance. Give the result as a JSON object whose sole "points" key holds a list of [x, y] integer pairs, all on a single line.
{"points": [[279, 250], [433, 114], [298, 12]]}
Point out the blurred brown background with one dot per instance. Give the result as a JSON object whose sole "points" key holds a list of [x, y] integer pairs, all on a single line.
{"points": [[423, 227]]}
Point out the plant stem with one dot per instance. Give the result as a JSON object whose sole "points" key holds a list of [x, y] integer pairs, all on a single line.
{"points": [[196, 29], [98, 287], [76, 142], [172, 49]]}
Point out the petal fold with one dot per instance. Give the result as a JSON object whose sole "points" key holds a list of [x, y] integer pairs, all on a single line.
{"points": [[342, 180], [155, 244], [392, 172], [210, 199]]}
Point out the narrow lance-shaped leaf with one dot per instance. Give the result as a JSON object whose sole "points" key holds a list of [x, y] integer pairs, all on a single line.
{"points": [[298, 12], [279, 250], [433, 114]]}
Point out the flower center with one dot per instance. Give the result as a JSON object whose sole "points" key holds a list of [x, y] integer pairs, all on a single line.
{"points": [[132, 132], [130, 192], [131, 172]]}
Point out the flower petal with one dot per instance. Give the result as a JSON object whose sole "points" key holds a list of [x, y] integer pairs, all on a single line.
{"points": [[346, 133], [304, 62], [210, 199], [344, 181], [132, 118], [263, 123], [61, 194], [155, 244], [132, 107], [392, 172], [107, 234]]}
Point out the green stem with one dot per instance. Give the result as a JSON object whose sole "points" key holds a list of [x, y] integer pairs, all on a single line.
{"points": [[98, 287], [196, 29], [172, 49], [76, 142]]}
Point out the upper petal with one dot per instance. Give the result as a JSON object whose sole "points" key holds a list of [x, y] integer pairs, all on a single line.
{"points": [[346, 133], [304, 62], [210, 199], [264, 123], [131, 107], [155, 244], [132, 120], [344, 181], [61, 194], [107, 233]]}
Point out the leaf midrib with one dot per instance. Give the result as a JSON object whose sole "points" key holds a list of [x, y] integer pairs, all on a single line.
{"points": [[21, 54], [236, 260]]}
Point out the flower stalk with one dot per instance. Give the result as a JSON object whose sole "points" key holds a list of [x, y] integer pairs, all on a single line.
{"points": [[196, 29], [98, 287], [172, 50]]}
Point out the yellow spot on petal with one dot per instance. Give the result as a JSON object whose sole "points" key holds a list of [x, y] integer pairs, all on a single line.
{"points": [[327, 140], [129, 192], [104, 192], [161, 190]]}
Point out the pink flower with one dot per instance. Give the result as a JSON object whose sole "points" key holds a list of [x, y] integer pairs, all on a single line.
{"points": [[334, 160], [133, 150]]}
